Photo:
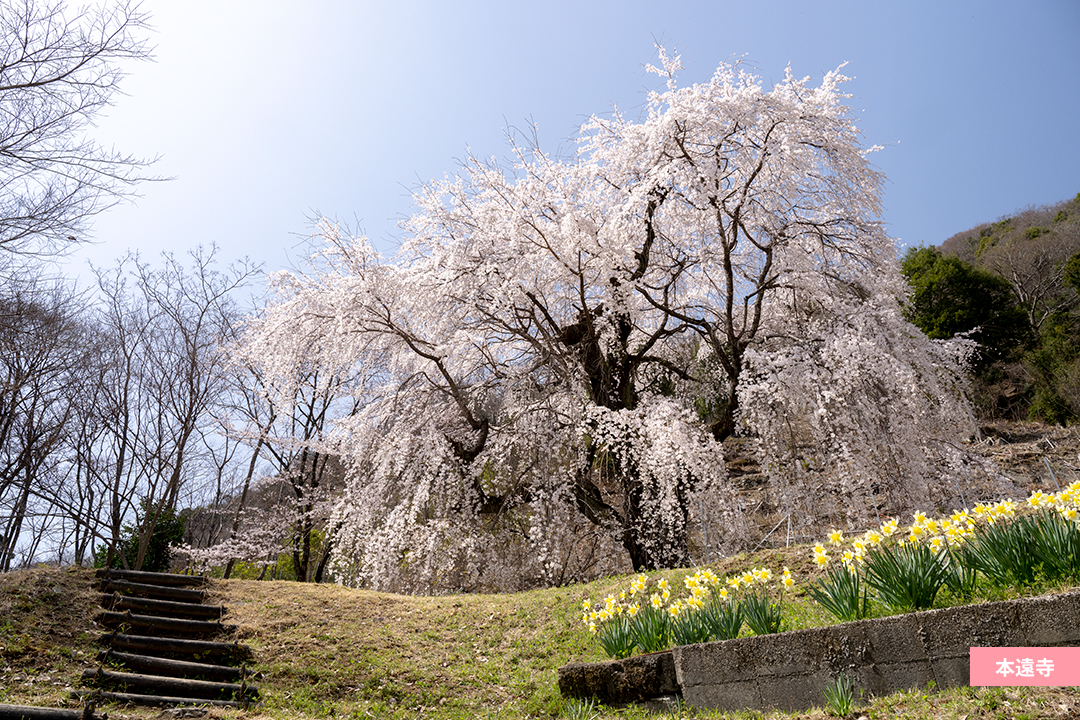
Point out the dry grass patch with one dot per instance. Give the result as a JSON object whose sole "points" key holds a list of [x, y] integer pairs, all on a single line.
{"points": [[333, 650], [46, 634]]}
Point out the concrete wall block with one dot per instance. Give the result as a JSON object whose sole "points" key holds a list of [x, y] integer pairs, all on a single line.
{"points": [[736, 695], [723, 661], [794, 692], [846, 646], [786, 654], [952, 671], [893, 639], [884, 678], [950, 632], [1052, 620], [617, 681]]}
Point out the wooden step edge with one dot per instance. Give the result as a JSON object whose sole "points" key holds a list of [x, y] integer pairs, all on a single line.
{"points": [[159, 684], [166, 608], [158, 700], [149, 664], [157, 592], [153, 578], [27, 712], [149, 644], [164, 624]]}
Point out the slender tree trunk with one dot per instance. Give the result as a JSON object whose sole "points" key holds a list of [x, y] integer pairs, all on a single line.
{"points": [[243, 501]]}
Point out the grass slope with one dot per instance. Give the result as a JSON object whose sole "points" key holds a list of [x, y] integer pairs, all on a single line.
{"points": [[326, 651]]}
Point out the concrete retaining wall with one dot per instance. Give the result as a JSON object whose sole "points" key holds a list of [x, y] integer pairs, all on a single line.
{"points": [[790, 670]]}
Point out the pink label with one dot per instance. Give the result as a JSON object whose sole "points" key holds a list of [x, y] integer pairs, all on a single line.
{"points": [[1025, 666]]}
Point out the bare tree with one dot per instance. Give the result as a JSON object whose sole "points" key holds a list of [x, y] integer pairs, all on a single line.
{"points": [[58, 70], [42, 360], [162, 383]]}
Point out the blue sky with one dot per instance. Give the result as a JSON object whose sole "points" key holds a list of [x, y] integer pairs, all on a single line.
{"points": [[269, 112]]}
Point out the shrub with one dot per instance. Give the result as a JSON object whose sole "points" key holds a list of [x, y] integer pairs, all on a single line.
{"points": [[168, 531]]}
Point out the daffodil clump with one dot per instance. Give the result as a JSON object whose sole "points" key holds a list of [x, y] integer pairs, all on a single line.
{"points": [[906, 566], [652, 615]]}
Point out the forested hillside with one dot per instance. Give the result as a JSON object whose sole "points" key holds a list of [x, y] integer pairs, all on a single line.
{"points": [[1013, 285]]}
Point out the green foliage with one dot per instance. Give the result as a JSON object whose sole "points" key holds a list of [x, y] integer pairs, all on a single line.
{"points": [[763, 615], [840, 696], [168, 531], [690, 627], [960, 577], [842, 592], [576, 709], [651, 620], [1071, 272], [650, 629], [1005, 553], [1037, 254], [724, 618], [950, 297], [617, 637], [906, 577], [1055, 366], [991, 235], [1057, 546]]}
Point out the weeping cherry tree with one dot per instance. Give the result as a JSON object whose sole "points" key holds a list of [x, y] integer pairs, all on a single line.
{"points": [[554, 356]]}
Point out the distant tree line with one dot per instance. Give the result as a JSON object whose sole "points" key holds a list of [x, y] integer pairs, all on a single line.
{"points": [[1012, 285], [128, 425]]}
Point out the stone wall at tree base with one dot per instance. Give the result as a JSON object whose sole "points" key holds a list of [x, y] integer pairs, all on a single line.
{"points": [[790, 670]]}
